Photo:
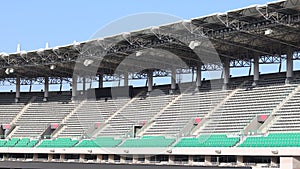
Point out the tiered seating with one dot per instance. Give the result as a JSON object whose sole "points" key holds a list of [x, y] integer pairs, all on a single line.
{"points": [[148, 141], [17, 142], [189, 106], [243, 106], [26, 142], [8, 109], [89, 113], [208, 141], [58, 143], [137, 112], [288, 116], [12, 142], [99, 142], [39, 115], [273, 140]]}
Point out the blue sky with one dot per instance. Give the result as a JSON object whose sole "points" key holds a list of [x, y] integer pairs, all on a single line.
{"points": [[32, 23]]}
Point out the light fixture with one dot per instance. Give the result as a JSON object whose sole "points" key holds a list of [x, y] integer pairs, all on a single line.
{"points": [[275, 151], [9, 71], [138, 53], [218, 151], [88, 62], [268, 31], [52, 67], [194, 44]]}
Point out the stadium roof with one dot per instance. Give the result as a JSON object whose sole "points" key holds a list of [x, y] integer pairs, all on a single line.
{"points": [[267, 30]]}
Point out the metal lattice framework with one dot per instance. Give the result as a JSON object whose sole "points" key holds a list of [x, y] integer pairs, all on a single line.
{"points": [[269, 31]]}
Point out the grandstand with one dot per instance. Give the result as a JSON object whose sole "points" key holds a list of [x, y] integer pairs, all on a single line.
{"points": [[232, 122]]}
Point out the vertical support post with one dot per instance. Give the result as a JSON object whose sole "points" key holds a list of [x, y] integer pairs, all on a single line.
{"points": [[173, 80], [289, 66], [147, 159], [126, 79], [240, 160], [62, 157], [18, 89], [81, 158], [256, 71], [198, 77], [50, 157], [100, 81], [171, 159], [150, 80], [99, 158], [46, 89], [191, 161], [226, 73], [74, 87], [207, 160], [83, 84]]}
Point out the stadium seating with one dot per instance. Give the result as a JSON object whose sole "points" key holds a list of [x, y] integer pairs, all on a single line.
{"points": [[39, 115], [134, 113], [26, 142], [89, 113], [273, 140], [57, 143], [215, 140], [148, 141], [189, 106], [243, 106], [99, 142], [288, 116]]}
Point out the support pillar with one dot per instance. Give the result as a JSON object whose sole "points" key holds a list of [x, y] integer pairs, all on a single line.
{"points": [[100, 81], [207, 160], [198, 77], [122, 159], [135, 159], [46, 89], [150, 80], [147, 159], [274, 161], [74, 87], [171, 159], [50, 157], [226, 73], [81, 158], [111, 158], [289, 67], [62, 157], [18, 89], [83, 84], [99, 158], [126, 79], [256, 71], [191, 161], [240, 160], [35, 157], [173, 81]]}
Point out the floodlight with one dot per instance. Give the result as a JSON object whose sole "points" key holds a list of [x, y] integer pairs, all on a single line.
{"points": [[194, 44], [52, 67], [268, 31], [139, 53], [88, 62]]}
